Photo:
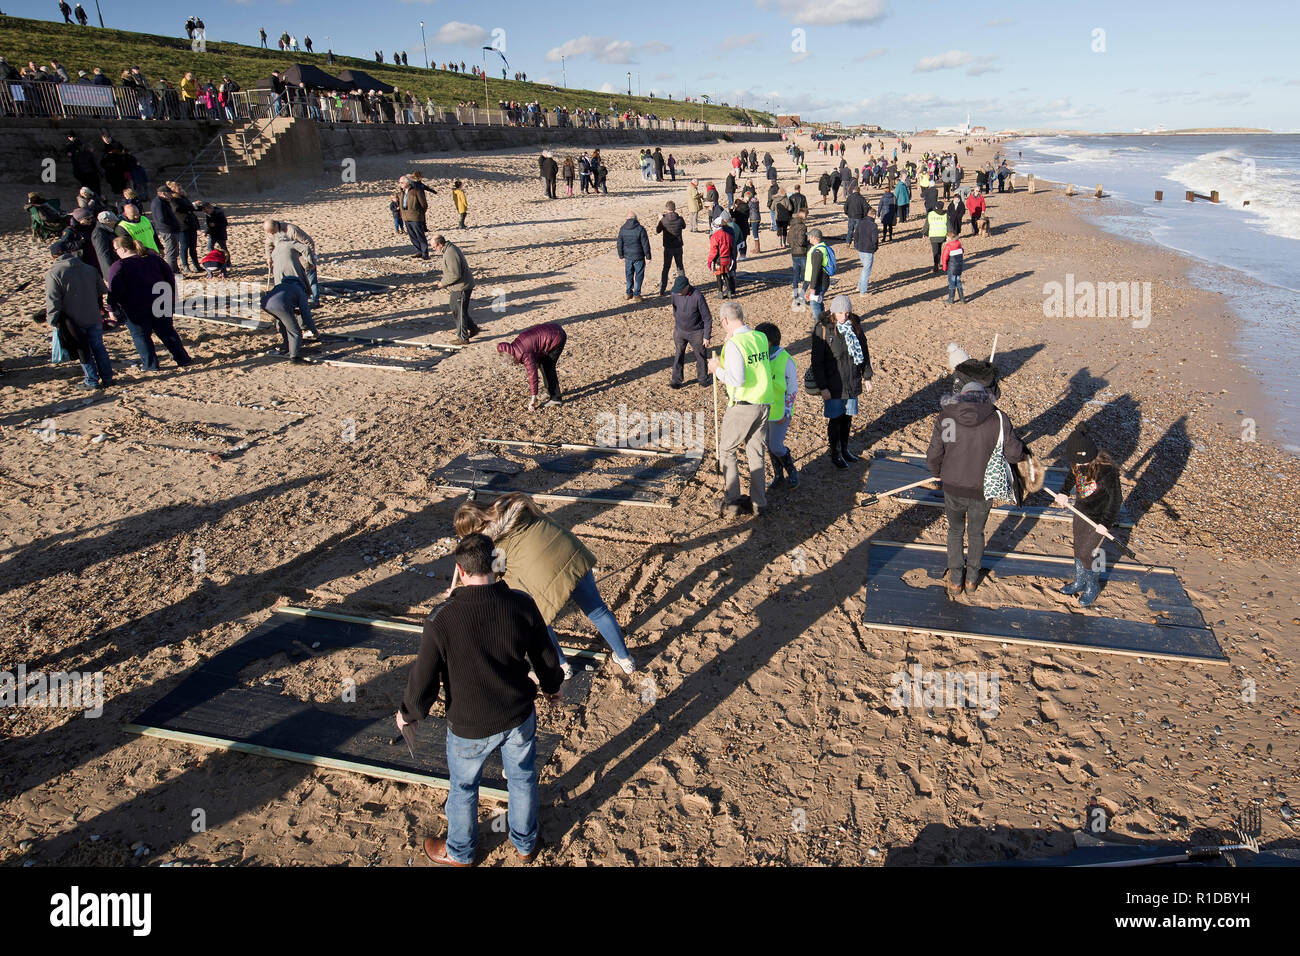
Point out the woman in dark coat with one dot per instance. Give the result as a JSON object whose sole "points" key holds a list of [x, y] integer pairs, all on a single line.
{"points": [[840, 370], [1094, 477], [188, 241]]}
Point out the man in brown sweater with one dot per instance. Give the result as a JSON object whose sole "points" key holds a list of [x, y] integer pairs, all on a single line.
{"points": [[479, 645], [413, 208]]}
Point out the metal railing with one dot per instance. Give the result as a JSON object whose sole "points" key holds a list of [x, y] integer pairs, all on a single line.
{"points": [[74, 100]]}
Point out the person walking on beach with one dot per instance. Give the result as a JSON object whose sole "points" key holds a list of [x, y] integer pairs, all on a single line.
{"points": [[633, 246], [670, 226], [840, 370], [722, 251], [694, 203], [855, 210], [133, 283], [902, 199], [936, 230], [693, 326], [549, 169], [458, 281], [785, 385], [888, 211], [460, 202], [567, 173], [967, 430], [547, 562], [975, 208], [866, 242], [950, 261], [413, 210], [479, 646], [1094, 477], [743, 368], [72, 309], [819, 266], [537, 348], [672, 168], [796, 234], [584, 172]]}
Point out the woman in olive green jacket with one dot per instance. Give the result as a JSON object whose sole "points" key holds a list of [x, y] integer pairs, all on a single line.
{"points": [[544, 560]]}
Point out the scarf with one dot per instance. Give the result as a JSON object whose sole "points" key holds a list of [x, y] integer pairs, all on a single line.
{"points": [[851, 339]]}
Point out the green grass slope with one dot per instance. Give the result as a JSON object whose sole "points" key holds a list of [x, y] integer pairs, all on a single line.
{"points": [[84, 48]]}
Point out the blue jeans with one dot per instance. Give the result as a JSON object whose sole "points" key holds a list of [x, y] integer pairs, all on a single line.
{"points": [[853, 228], [99, 370], [634, 272], [864, 277], [590, 603], [465, 759], [314, 288], [143, 339], [818, 306], [796, 275], [954, 286]]}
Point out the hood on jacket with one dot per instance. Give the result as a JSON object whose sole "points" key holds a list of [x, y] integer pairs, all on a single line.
{"points": [[969, 409]]}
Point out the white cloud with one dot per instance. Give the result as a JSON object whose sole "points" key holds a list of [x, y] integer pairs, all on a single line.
{"points": [[870, 55], [739, 41], [944, 61], [604, 49], [829, 12], [607, 88], [460, 34]]}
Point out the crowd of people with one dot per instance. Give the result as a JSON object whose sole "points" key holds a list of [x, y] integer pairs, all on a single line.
{"points": [[515, 567]]}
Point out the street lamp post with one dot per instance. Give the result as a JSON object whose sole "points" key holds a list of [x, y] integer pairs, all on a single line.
{"points": [[424, 44], [564, 79], [100, 13], [485, 89]]}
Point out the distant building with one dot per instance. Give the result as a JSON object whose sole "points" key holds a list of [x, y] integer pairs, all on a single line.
{"points": [[979, 130], [792, 120]]}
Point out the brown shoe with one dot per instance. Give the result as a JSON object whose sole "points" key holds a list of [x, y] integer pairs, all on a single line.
{"points": [[529, 857], [435, 848], [955, 583], [975, 579]]}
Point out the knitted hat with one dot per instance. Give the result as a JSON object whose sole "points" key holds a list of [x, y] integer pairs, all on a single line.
{"points": [[1080, 449], [841, 305], [956, 355], [108, 217], [81, 214]]}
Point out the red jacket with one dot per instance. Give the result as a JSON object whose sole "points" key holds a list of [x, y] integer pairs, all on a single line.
{"points": [[951, 248], [531, 344], [720, 251], [975, 204]]}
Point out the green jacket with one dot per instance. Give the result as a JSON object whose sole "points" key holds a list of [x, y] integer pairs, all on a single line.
{"points": [[541, 558]]}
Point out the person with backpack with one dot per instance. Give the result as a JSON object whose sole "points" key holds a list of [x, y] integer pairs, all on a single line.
{"points": [[818, 268], [785, 385], [1094, 477], [902, 199], [839, 370], [970, 445]]}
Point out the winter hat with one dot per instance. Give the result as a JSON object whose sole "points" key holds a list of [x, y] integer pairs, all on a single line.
{"points": [[81, 214], [108, 217], [718, 222], [681, 285], [956, 355], [972, 387], [1080, 449], [58, 249], [841, 305]]}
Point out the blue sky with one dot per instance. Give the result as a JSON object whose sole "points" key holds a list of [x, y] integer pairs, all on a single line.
{"points": [[901, 64]]}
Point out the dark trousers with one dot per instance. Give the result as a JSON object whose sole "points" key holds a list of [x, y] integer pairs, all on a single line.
{"points": [[670, 256], [936, 246], [546, 365], [696, 341], [853, 229], [171, 247], [460, 312], [415, 232], [968, 515], [142, 334], [550, 189]]}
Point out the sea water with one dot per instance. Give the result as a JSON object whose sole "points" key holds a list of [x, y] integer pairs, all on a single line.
{"points": [[1253, 231]]}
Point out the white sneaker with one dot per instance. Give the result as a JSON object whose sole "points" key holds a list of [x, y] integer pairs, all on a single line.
{"points": [[567, 668], [626, 663]]}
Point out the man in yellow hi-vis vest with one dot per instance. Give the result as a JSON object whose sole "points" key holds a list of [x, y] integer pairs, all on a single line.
{"points": [[743, 368]]}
